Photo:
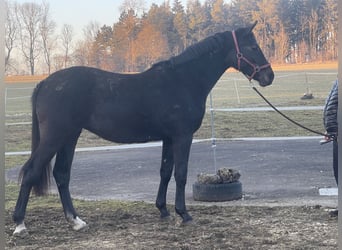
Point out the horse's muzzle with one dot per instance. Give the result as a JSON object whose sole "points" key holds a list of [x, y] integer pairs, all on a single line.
{"points": [[265, 77]]}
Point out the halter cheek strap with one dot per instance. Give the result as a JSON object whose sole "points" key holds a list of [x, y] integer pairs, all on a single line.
{"points": [[240, 56]]}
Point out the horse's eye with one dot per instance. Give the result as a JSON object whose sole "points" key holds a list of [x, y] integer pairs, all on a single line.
{"points": [[255, 47]]}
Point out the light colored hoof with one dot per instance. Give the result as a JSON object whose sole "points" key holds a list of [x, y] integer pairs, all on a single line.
{"points": [[79, 224], [20, 231]]}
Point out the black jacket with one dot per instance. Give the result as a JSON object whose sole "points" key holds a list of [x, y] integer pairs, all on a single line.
{"points": [[330, 111]]}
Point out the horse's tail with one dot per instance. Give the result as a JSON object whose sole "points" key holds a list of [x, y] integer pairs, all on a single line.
{"points": [[41, 185]]}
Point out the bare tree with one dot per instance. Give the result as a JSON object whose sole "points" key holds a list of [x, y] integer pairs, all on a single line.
{"points": [[138, 6], [80, 54], [47, 29], [67, 35], [85, 52], [90, 33], [58, 62], [11, 33], [29, 18]]}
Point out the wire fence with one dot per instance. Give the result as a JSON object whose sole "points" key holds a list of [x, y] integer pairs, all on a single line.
{"points": [[248, 116], [231, 94]]}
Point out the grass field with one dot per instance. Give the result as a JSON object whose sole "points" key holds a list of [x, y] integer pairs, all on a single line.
{"points": [[232, 91]]}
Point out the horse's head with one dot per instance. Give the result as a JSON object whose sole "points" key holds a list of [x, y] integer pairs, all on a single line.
{"points": [[249, 59]]}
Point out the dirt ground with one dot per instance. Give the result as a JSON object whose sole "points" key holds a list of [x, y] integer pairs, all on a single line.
{"points": [[138, 226]]}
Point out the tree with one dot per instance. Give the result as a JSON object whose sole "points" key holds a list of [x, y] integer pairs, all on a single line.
{"points": [[103, 44], [138, 6], [124, 33], [244, 10], [266, 30], [288, 31], [199, 21], [85, 53], [47, 30], [66, 37], [161, 17], [151, 46], [11, 33], [314, 9], [180, 25], [329, 30], [219, 16], [295, 28], [29, 18], [281, 45]]}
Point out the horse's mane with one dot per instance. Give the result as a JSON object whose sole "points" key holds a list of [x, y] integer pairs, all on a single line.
{"points": [[209, 44]]}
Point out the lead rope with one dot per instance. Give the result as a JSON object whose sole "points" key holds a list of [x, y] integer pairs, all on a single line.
{"points": [[288, 118]]}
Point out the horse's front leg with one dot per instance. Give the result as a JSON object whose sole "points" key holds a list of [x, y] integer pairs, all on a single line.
{"points": [[181, 150], [165, 176], [61, 172]]}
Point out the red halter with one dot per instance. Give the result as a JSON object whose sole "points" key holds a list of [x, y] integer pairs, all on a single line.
{"points": [[239, 55]]}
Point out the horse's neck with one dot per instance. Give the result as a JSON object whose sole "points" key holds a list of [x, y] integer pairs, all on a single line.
{"points": [[205, 75], [209, 70]]}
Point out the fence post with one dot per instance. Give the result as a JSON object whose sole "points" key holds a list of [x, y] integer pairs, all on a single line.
{"points": [[212, 124]]}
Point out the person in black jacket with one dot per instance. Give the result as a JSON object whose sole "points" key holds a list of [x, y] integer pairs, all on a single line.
{"points": [[331, 126], [330, 123]]}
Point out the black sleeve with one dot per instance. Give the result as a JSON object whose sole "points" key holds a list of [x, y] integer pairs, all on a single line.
{"points": [[330, 111]]}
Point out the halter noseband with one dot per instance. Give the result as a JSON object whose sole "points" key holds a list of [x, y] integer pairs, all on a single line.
{"points": [[239, 55]]}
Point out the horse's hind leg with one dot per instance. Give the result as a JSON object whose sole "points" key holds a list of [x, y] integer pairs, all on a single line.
{"points": [[61, 173], [165, 175], [32, 174]]}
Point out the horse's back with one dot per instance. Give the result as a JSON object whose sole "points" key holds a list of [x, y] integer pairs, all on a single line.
{"points": [[109, 104], [65, 96], [119, 107]]}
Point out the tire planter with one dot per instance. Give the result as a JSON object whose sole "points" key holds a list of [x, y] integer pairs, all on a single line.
{"points": [[217, 192]]}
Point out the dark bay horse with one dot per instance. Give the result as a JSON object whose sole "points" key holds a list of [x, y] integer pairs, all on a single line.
{"points": [[166, 102]]}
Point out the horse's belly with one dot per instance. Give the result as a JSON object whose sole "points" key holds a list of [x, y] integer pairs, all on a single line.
{"points": [[125, 132], [127, 138], [132, 123]]}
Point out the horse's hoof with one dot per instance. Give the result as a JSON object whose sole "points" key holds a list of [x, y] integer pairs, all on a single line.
{"points": [[79, 225], [20, 231], [187, 219], [82, 229], [164, 215]]}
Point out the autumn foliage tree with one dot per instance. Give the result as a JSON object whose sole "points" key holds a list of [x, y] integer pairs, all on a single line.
{"points": [[294, 31], [288, 31], [151, 45]]}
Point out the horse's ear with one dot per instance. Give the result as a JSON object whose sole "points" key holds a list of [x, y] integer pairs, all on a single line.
{"points": [[247, 30], [252, 26]]}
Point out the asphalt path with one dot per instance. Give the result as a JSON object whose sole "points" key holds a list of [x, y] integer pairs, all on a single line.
{"points": [[273, 171]]}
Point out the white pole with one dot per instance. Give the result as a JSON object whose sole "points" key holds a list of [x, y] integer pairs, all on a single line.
{"points": [[307, 83], [213, 136]]}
